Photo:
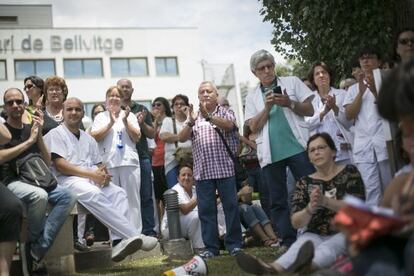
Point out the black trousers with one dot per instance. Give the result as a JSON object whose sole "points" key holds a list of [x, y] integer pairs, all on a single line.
{"points": [[11, 212]]}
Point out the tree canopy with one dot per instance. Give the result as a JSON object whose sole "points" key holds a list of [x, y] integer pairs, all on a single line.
{"points": [[331, 31]]}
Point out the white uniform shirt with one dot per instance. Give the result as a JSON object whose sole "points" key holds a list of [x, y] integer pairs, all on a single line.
{"points": [[298, 92], [336, 126], [369, 131], [82, 152], [169, 148], [112, 155]]}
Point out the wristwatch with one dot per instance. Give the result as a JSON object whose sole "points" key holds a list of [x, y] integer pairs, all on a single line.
{"points": [[292, 105]]}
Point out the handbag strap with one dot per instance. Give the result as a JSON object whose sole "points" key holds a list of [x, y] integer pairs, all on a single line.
{"points": [[175, 130], [226, 145]]}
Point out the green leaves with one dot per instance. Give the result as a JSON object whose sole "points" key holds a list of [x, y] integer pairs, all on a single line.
{"points": [[332, 31]]}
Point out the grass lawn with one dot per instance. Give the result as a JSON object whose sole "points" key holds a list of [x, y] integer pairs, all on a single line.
{"points": [[223, 265]]}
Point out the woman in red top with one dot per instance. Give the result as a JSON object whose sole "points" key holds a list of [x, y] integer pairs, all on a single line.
{"points": [[160, 110]]}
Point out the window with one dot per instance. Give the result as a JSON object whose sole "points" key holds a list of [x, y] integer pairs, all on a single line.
{"points": [[129, 67], [82, 68], [166, 66], [41, 68], [3, 74], [8, 19]]}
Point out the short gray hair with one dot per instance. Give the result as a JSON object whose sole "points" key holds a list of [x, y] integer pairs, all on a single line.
{"points": [[260, 56]]}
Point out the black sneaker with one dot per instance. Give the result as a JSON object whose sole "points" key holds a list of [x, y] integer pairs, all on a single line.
{"points": [[90, 238], [81, 247], [39, 268], [31, 266]]}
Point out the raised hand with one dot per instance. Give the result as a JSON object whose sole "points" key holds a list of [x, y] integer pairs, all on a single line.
{"points": [[34, 134], [126, 114], [189, 113], [370, 83], [316, 199], [141, 116], [282, 99], [203, 110], [269, 100], [112, 115], [38, 121]]}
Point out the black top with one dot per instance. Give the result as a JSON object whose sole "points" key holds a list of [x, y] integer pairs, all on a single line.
{"points": [[18, 136], [142, 145], [347, 181]]}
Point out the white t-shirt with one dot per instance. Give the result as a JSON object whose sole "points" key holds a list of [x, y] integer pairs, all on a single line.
{"points": [[167, 127], [114, 155]]}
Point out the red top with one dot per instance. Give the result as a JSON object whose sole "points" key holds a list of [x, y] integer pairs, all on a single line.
{"points": [[158, 154]]}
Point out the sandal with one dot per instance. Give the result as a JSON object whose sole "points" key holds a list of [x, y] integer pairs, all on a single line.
{"points": [[271, 243]]}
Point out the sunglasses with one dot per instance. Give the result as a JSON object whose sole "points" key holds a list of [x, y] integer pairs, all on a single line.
{"points": [[11, 102], [404, 41], [28, 87], [156, 104]]}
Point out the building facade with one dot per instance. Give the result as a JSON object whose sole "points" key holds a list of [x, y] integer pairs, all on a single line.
{"points": [[158, 61]]}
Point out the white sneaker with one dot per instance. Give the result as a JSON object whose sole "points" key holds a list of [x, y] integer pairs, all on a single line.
{"points": [[126, 248], [148, 243]]}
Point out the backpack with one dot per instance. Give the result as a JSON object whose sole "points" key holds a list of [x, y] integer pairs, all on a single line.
{"points": [[32, 170]]}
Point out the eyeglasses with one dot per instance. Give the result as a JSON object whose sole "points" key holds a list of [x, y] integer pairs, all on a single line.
{"points": [[156, 104], [405, 41], [28, 87], [55, 89], [264, 67], [318, 148], [12, 102]]}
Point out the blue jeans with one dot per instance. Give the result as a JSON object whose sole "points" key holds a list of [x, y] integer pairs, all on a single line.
{"points": [[250, 215], [43, 230], [275, 177], [207, 213], [147, 204], [171, 177], [256, 179]]}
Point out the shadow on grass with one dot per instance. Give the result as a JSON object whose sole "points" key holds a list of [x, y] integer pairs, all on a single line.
{"points": [[223, 265]]}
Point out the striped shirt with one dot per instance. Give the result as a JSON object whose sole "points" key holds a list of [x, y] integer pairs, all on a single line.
{"points": [[211, 159]]}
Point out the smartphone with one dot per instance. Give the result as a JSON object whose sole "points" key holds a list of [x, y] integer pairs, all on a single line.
{"points": [[277, 90]]}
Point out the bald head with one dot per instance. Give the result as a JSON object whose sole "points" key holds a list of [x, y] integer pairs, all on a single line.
{"points": [[126, 87], [10, 90], [73, 113], [73, 101]]}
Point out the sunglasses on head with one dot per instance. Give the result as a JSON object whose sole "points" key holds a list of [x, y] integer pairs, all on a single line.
{"points": [[404, 41], [29, 86], [156, 104], [11, 102]]}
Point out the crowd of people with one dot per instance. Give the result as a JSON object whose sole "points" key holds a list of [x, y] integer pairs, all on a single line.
{"points": [[305, 147]]}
